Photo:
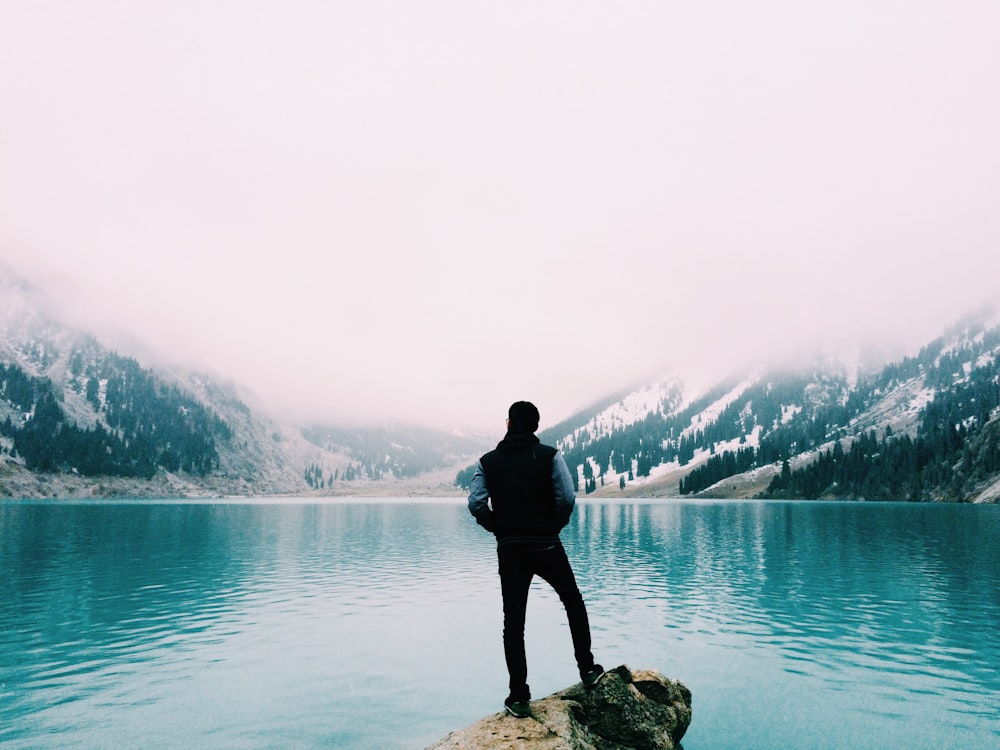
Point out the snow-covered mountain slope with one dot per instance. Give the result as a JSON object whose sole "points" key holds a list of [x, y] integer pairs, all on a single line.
{"points": [[77, 419], [734, 437]]}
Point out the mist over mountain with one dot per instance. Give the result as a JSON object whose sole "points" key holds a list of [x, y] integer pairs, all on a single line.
{"points": [[925, 427], [78, 419], [402, 452]]}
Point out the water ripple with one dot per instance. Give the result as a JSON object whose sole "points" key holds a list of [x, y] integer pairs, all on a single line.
{"points": [[254, 625]]}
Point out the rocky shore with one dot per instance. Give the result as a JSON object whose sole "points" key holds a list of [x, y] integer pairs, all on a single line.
{"points": [[627, 710]]}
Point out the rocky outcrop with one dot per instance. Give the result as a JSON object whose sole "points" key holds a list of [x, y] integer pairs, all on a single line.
{"points": [[626, 710]]}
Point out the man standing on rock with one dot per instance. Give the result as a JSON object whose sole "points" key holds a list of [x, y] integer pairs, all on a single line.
{"points": [[531, 493]]}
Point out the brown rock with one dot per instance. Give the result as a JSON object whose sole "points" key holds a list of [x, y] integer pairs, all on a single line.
{"points": [[640, 710]]}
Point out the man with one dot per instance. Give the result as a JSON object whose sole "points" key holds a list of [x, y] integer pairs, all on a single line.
{"points": [[531, 493]]}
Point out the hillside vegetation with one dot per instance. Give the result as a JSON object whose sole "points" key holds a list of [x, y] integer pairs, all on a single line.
{"points": [[78, 419], [923, 428]]}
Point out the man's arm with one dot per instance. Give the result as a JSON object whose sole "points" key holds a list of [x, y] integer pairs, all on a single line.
{"points": [[562, 488], [479, 495]]}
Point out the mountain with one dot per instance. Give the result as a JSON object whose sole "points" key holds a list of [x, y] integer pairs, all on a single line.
{"points": [[401, 452], [78, 419], [923, 428]]}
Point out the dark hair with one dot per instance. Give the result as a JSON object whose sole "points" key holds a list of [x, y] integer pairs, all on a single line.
{"points": [[523, 415]]}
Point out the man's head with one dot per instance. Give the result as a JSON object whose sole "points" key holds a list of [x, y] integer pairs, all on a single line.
{"points": [[523, 416]]}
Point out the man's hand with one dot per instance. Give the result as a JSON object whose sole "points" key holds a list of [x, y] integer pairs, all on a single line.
{"points": [[485, 519]]}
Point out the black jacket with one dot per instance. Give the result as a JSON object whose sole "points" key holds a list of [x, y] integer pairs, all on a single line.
{"points": [[519, 478]]}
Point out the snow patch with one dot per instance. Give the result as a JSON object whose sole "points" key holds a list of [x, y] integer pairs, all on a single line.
{"points": [[663, 397], [920, 399], [712, 412], [788, 413]]}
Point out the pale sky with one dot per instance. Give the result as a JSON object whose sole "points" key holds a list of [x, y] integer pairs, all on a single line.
{"points": [[422, 211]]}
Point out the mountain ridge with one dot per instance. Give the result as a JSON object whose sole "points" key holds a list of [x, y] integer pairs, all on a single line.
{"points": [[735, 440], [80, 420]]}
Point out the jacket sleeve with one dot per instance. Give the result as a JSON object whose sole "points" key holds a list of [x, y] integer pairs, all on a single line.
{"points": [[479, 495], [562, 489]]}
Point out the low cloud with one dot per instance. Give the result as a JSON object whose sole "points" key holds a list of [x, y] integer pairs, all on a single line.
{"points": [[423, 216]]}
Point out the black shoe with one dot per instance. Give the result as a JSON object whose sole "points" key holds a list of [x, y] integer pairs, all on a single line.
{"points": [[517, 708], [592, 676]]}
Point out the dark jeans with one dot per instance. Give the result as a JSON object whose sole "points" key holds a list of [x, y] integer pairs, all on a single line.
{"points": [[519, 563]]}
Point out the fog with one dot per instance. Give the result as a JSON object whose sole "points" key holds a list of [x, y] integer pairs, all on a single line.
{"points": [[420, 212]]}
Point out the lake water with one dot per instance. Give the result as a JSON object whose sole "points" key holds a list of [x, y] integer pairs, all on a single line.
{"points": [[376, 624]]}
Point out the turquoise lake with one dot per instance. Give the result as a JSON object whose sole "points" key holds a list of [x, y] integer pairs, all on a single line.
{"points": [[377, 623]]}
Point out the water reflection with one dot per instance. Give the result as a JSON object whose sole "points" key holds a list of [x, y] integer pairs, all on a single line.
{"points": [[886, 602], [183, 608], [359, 625]]}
